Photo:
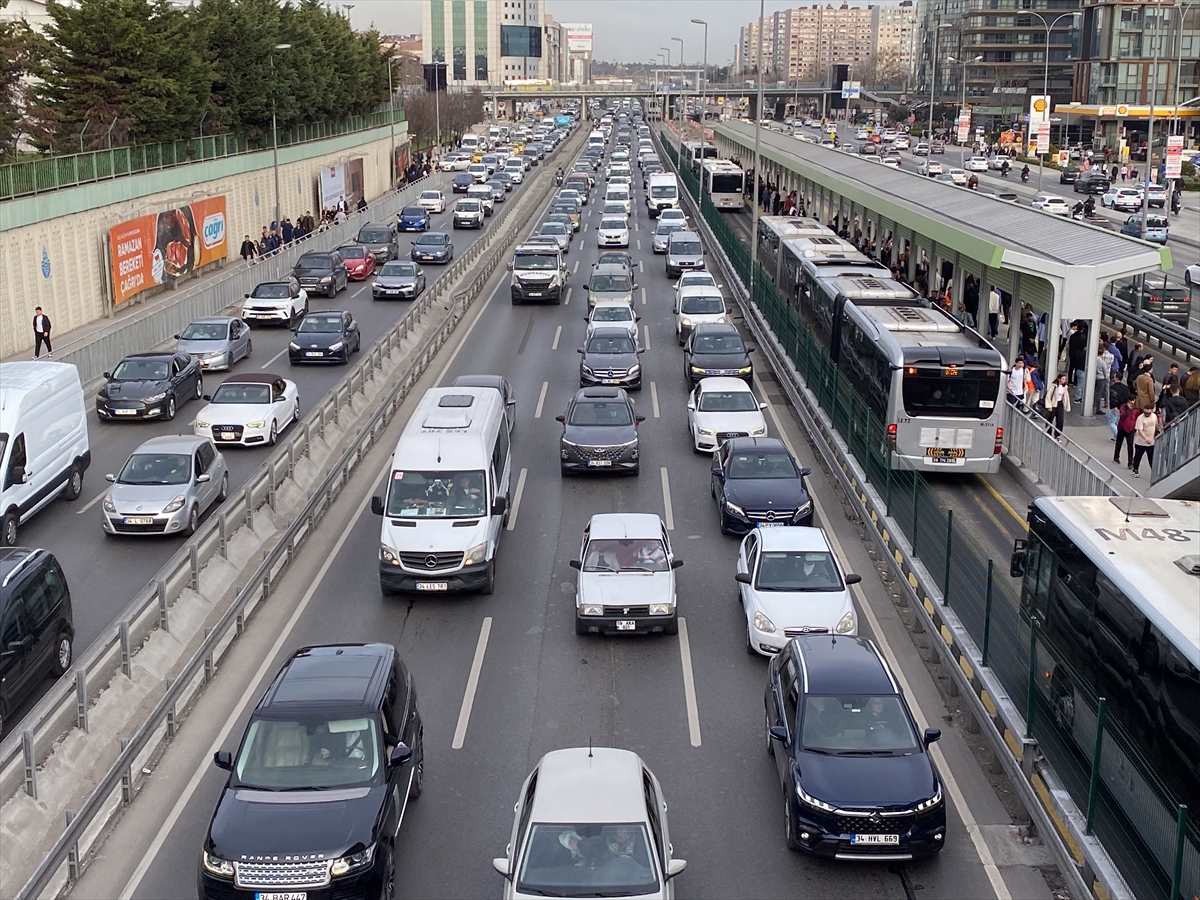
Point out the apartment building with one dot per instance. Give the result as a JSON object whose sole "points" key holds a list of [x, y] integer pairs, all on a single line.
{"points": [[484, 41]]}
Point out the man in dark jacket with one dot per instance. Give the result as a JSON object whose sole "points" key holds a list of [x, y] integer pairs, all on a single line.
{"points": [[1121, 342], [1174, 405], [289, 231], [41, 333], [1118, 393], [248, 252], [1077, 357]]}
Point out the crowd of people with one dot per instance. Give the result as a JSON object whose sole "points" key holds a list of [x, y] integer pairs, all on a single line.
{"points": [[286, 231]]}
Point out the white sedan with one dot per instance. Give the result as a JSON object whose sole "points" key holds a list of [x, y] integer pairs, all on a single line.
{"points": [[432, 201], [1191, 275], [674, 214], [790, 583], [695, 278], [249, 409], [901, 143], [1051, 204], [455, 162], [613, 312], [930, 167], [613, 232], [976, 164], [959, 176], [721, 408]]}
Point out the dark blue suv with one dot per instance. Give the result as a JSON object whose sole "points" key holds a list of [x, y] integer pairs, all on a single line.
{"points": [[857, 779]]}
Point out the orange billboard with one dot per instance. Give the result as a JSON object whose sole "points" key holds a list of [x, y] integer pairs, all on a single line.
{"points": [[148, 250]]}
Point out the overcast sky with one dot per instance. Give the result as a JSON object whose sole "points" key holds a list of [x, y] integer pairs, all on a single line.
{"points": [[622, 30]]}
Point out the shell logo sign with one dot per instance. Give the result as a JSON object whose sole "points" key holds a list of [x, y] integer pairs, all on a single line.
{"points": [[1040, 104], [1122, 110]]}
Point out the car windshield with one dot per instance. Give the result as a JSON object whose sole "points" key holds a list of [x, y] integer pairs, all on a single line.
{"points": [[761, 464], [605, 284], [271, 292], [856, 726], [600, 412], [552, 228], [467, 206], [619, 313], [798, 571], [157, 468], [242, 393], [397, 269], [438, 239], [699, 306], [690, 279], [416, 212], [320, 325], [616, 209], [959, 393], [616, 259], [205, 331], [587, 861], [614, 344], [612, 225], [353, 252], [308, 754], [315, 262], [559, 218], [437, 495], [535, 261], [141, 370], [625, 555], [430, 195], [727, 401], [718, 343], [667, 226]]}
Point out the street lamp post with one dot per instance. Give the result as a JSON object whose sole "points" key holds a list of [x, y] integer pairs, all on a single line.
{"points": [[392, 122], [1150, 124], [703, 87], [962, 147], [1046, 75], [933, 78], [667, 87], [275, 131], [757, 130], [682, 76]]}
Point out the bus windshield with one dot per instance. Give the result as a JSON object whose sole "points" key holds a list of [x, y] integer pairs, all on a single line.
{"points": [[967, 394], [726, 183]]}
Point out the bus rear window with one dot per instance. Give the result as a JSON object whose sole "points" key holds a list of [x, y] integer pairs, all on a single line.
{"points": [[969, 394]]}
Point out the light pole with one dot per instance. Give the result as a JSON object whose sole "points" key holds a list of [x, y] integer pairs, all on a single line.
{"points": [[392, 117], [667, 86], [703, 87], [1046, 75], [962, 146], [275, 131], [1150, 123], [757, 130], [933, 78], [682, 76]]}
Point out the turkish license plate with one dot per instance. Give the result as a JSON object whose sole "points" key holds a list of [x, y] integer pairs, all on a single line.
{"points": [[877, 840], [432, 586], [139, 520], [227, 437], [945, 461], [771, 524], [610, 381], [599, 462], [313, 353], [285, 895], [125, 412], [535, 293], [626, 625]]}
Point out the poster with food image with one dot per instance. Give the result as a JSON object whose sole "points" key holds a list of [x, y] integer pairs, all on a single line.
{"points": [[147, 251]]}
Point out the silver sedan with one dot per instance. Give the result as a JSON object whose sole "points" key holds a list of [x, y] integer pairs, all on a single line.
{"points": [[217, 341], [165, 486]]}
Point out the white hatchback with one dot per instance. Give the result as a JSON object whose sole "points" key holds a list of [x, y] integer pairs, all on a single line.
{"points": [[722, 408], [613, 232], [1051, 204], [613, 312], [674, 214], [790, 584], [694, 278], [698, 305], [432, 201]]}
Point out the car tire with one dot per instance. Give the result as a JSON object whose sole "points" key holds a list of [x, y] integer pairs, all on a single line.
{"points": [[170, 409], [199, 386], [274, 434], [417, 786], [721, 518], [515, 301], [64, 655], [387, 881], [296, 411], [789, 836], [74, 482], [193, 520], [489, 583], [8, 529], [223, 494]]}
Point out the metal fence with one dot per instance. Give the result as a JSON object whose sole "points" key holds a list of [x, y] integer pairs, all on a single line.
{"points": [[1178, 445], [50, 173], [1056, 461]]}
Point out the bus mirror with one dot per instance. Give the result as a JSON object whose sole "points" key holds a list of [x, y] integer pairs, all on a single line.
{"points": [[1016, 565]]}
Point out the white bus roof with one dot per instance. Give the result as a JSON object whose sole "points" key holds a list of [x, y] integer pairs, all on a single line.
{"points": [[818, 245], [451, 428], [793, 226], [1137, 555], [722, 165], [921, 334]]}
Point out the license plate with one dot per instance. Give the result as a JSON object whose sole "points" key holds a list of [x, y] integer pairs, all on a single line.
{"points": [[626, 625], [314, 353], [771, 524], [227, 437], [125, 412], [139, 520], [599, 462], [887, 840], [945, 461], [946, 452], [285, 895], [535, 293], [610, 381], [432, 585]]}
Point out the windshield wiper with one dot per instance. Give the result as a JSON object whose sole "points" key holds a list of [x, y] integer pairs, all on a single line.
{"points": [[867, 752], [526, 889]]}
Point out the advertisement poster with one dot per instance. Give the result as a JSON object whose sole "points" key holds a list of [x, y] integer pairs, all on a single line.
{"points": [[148, 250], [1174, 160], [331, 186], [579, 37], [1043, 138], [964, 125]]}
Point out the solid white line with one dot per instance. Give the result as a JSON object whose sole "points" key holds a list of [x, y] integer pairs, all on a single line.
{"points": [[252, 688], [647, 327], [267, 364], [689, 684], [100, 496], [516, 506], [462, 343], [576, 269], [654, 398], [666, 488], [643, 290], [567, 299], [557, 335], [464, 714], [537, 413]]}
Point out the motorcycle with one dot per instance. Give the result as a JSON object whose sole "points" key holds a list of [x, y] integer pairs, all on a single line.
{"points": [[1176, 204], [1025, 175], [558, 180]]}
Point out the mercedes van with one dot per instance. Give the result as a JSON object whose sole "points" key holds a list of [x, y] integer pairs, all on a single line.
{"points": [[662, 192]]}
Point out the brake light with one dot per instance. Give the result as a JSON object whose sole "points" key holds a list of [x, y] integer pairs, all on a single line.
{"points": [[999, 441], [892, 435], [1154, 298]]}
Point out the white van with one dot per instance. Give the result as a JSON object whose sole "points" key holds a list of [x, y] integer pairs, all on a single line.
{"points": [[618, 193], [44, 448], [597, 139], [662, 192], [447, 498], [470, 143]]}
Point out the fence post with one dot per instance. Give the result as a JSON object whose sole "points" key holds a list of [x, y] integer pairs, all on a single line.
{"points": [[72, 853], [194, 566], [223, 535], [1031, 700], [167, 682], [30, 763], [1101, 711], [81, 699], [949, 550], [916, 506], [163, 620], [1180, 834], [987, 615], [126, 776], [126, 665]]}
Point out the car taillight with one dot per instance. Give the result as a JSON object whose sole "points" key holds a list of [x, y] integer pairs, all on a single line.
{"points": [[892, 435], [999, 441]]}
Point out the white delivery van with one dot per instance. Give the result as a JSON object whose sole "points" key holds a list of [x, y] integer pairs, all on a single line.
{"points": [[470, 143], [44, 448], [447, 496], [618, 193], [662, 193], [597, 139]]}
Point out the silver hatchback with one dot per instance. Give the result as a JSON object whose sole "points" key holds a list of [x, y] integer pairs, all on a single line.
{"points": [[165, 486]]}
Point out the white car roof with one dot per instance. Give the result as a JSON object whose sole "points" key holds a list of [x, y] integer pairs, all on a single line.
{"points": [[582, 785], [725, 385], [699, 290], [625, 525], [793, 537]]}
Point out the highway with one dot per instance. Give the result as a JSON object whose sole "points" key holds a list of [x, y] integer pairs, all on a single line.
{"points": [[503, 679]]}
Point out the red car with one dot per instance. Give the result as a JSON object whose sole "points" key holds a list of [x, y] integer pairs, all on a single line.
{"points": [[360, 262]]}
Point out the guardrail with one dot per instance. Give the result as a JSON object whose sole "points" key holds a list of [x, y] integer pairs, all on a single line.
{"points": [[1177, 446], [1062, 465], [66, 705], [1153, 330]]}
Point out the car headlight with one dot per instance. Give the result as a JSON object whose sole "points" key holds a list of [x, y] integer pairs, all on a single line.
{"points": [[745, 370], [156, 398], [108, 504], [660, 609], [721, 320], [734, 508], [635, 368], [355, 862], [216, 865], [708, 432], [762, 623], [591, 610], [846, 624], [200, 424], [261, 423], [327, 279], [388, 555], [812, 801], [176, 504], [697, 370], [761, 429], [687, 321], [333, 348], [293, 346], [933, 801], [805, 509], [587, 370], [476, 554]]}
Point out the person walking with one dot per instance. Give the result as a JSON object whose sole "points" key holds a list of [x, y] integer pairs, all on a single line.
{"points": [[41, 333], [1143, 385], [1124, 172], [1104, 363], [1034, 385], [1077, 357], [1058, 404], [1118, 395], [1125, 428], [1016, 382], [1174, 405], [1145, 430], [993, 313], [1191, 386], [248, 252], [288, 230]]}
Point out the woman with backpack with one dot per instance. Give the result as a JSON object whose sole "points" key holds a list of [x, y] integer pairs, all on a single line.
{"points": [[1146, 429], [1125, 428]]}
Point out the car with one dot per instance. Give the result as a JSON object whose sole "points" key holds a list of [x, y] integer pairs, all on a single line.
{"points": [[976, 164], [572, 195], [590, 822], [600, 432], [936, 146], [696, 278], [857, 778], [890, 159], [719, 409], [492, 161], [504, 180], [402, 280], [716, 350], [861, 134], [381, 240], [695, 305], [558, 231], [165, 487], [610, 357], [930, 168], [613, 231], [1156, 195], [216, 341], [322, 271], [611, 210], [433, 247], [413, 218], [959, 177], [901, 142], [462, 182], [673, 214], [455, 162], [282, 302], [1156, 230], [609, 282], [37, 623], [1068, 174], [468, 213], [1051, 204], [1098, 221], [329, 336], [360, 262], [515, 169], [249, 410], [921, 149], [338, 721], [149, 386], [501, 385], [433, 201], [791, 583], [626, 581], [613, 312], [1191, 275], [483, 193], [498, 188], [1093, 181], [944, 178], [756, 480], [1127, 199], [1159, 298], [662, 234], [479, 172], [997, 161], [617, 258], [562, 215], [868, 149]]}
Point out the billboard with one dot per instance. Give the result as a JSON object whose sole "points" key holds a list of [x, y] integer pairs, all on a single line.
{"points": [[146, 251], [579, 37], [339, 182]]}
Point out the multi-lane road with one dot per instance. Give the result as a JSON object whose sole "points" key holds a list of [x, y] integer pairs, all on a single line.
{"points": [[503, 679]]}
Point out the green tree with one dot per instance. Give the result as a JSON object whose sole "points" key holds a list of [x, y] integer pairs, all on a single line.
{"points": [[15, 57]]}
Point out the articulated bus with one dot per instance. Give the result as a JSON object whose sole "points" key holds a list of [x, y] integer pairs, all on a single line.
{"points": [[1113, 582], [692, 153], [723, 182], [774, 230]]}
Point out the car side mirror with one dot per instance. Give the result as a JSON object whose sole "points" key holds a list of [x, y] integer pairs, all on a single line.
{"points": [[675, 867], [853, 579], [111, 478], [805, 472], [587, 287], [176, 337], [576, 564], [223, 759], [510, 267], [931, 735], [108, 374], [580, 350], [499, 505], [749, 349], [716, 468], [500, 864], [203, 478], [779, 733], [762, 406], [377, 506], [639, 419], [742, 578], [401, 754], [677, 564]]}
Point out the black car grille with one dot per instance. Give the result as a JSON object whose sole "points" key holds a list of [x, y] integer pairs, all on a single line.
{"points": [[283, 875], [770, 515], [422, 561], [609, 453], [806, 629], [610, 373], [220, 432], [621, 612], [900, 824]]}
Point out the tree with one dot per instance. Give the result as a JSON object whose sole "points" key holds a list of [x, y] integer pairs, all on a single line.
{"points": [[15, 58]]}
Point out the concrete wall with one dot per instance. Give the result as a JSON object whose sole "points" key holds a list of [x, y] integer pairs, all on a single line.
{"points": [[52, 246]]}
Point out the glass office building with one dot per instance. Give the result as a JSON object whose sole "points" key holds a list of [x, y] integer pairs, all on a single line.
{"points": [[484, 41]]}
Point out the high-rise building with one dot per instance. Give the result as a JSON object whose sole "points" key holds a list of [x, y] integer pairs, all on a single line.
{"points": [[484, 41], [577, 38], [894, 30], [804, 43]]}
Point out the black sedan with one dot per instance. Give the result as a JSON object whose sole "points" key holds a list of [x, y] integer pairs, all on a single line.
{"points": [[433, 247], [150, 386], [325, 337], [716, 350], [323, 273], [757, 484], [399, 280], [600, 432], [461, 182], [1068, 174], [610, 357]]}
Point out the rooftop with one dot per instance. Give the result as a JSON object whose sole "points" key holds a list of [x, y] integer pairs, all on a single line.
{"points": [[596, 785]]}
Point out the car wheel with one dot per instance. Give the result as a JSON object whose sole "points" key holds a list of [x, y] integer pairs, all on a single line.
{"points": [[387, 882], [274, 434], [8, 530], [788, 834], [74, 483], [249, 349], [489, 583], [417, 786], [199, 386], [170, 408], [223, 495], [721, 518], [296, 411], [767, 732], [192, 521], [64, 654]]}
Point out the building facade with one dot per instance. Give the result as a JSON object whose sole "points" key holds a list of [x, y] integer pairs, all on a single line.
{"points": [[894, 30], [484, 41]]}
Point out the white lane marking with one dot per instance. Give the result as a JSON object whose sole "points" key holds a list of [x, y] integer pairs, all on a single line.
{"points": [[952, 788], [585, 225], [557, 335], [689, 683], [666, 488], [643, 290], [635, 225], [537, 413], [642, 269], [654, 398], [267, 364], [567, 299], [516, 506], [464, 714], [639, 243], [576, 269], [647, 342], [252, 688], [100, 496]]}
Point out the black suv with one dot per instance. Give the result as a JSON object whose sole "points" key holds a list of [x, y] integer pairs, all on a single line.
{"points": [[756, 481], [1093, 181], [322, 272], [857, 779], [716, 350], [36, 628], [318, 788], [600, 432], [610, 357]]}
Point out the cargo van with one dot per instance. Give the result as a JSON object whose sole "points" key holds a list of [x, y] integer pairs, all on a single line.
{"points": [[447, 497], [44, 447], [470, 143], [618, 193], [662, 192], [597, 139]]}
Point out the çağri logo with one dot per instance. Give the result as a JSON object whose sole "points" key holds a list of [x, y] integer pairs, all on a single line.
{"points": [[213, 230]]}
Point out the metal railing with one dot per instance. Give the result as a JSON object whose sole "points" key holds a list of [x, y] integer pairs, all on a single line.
{"points": [[1154, 330], [1177, 446], [50, 173], [1056, 461], [65, 706]]}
